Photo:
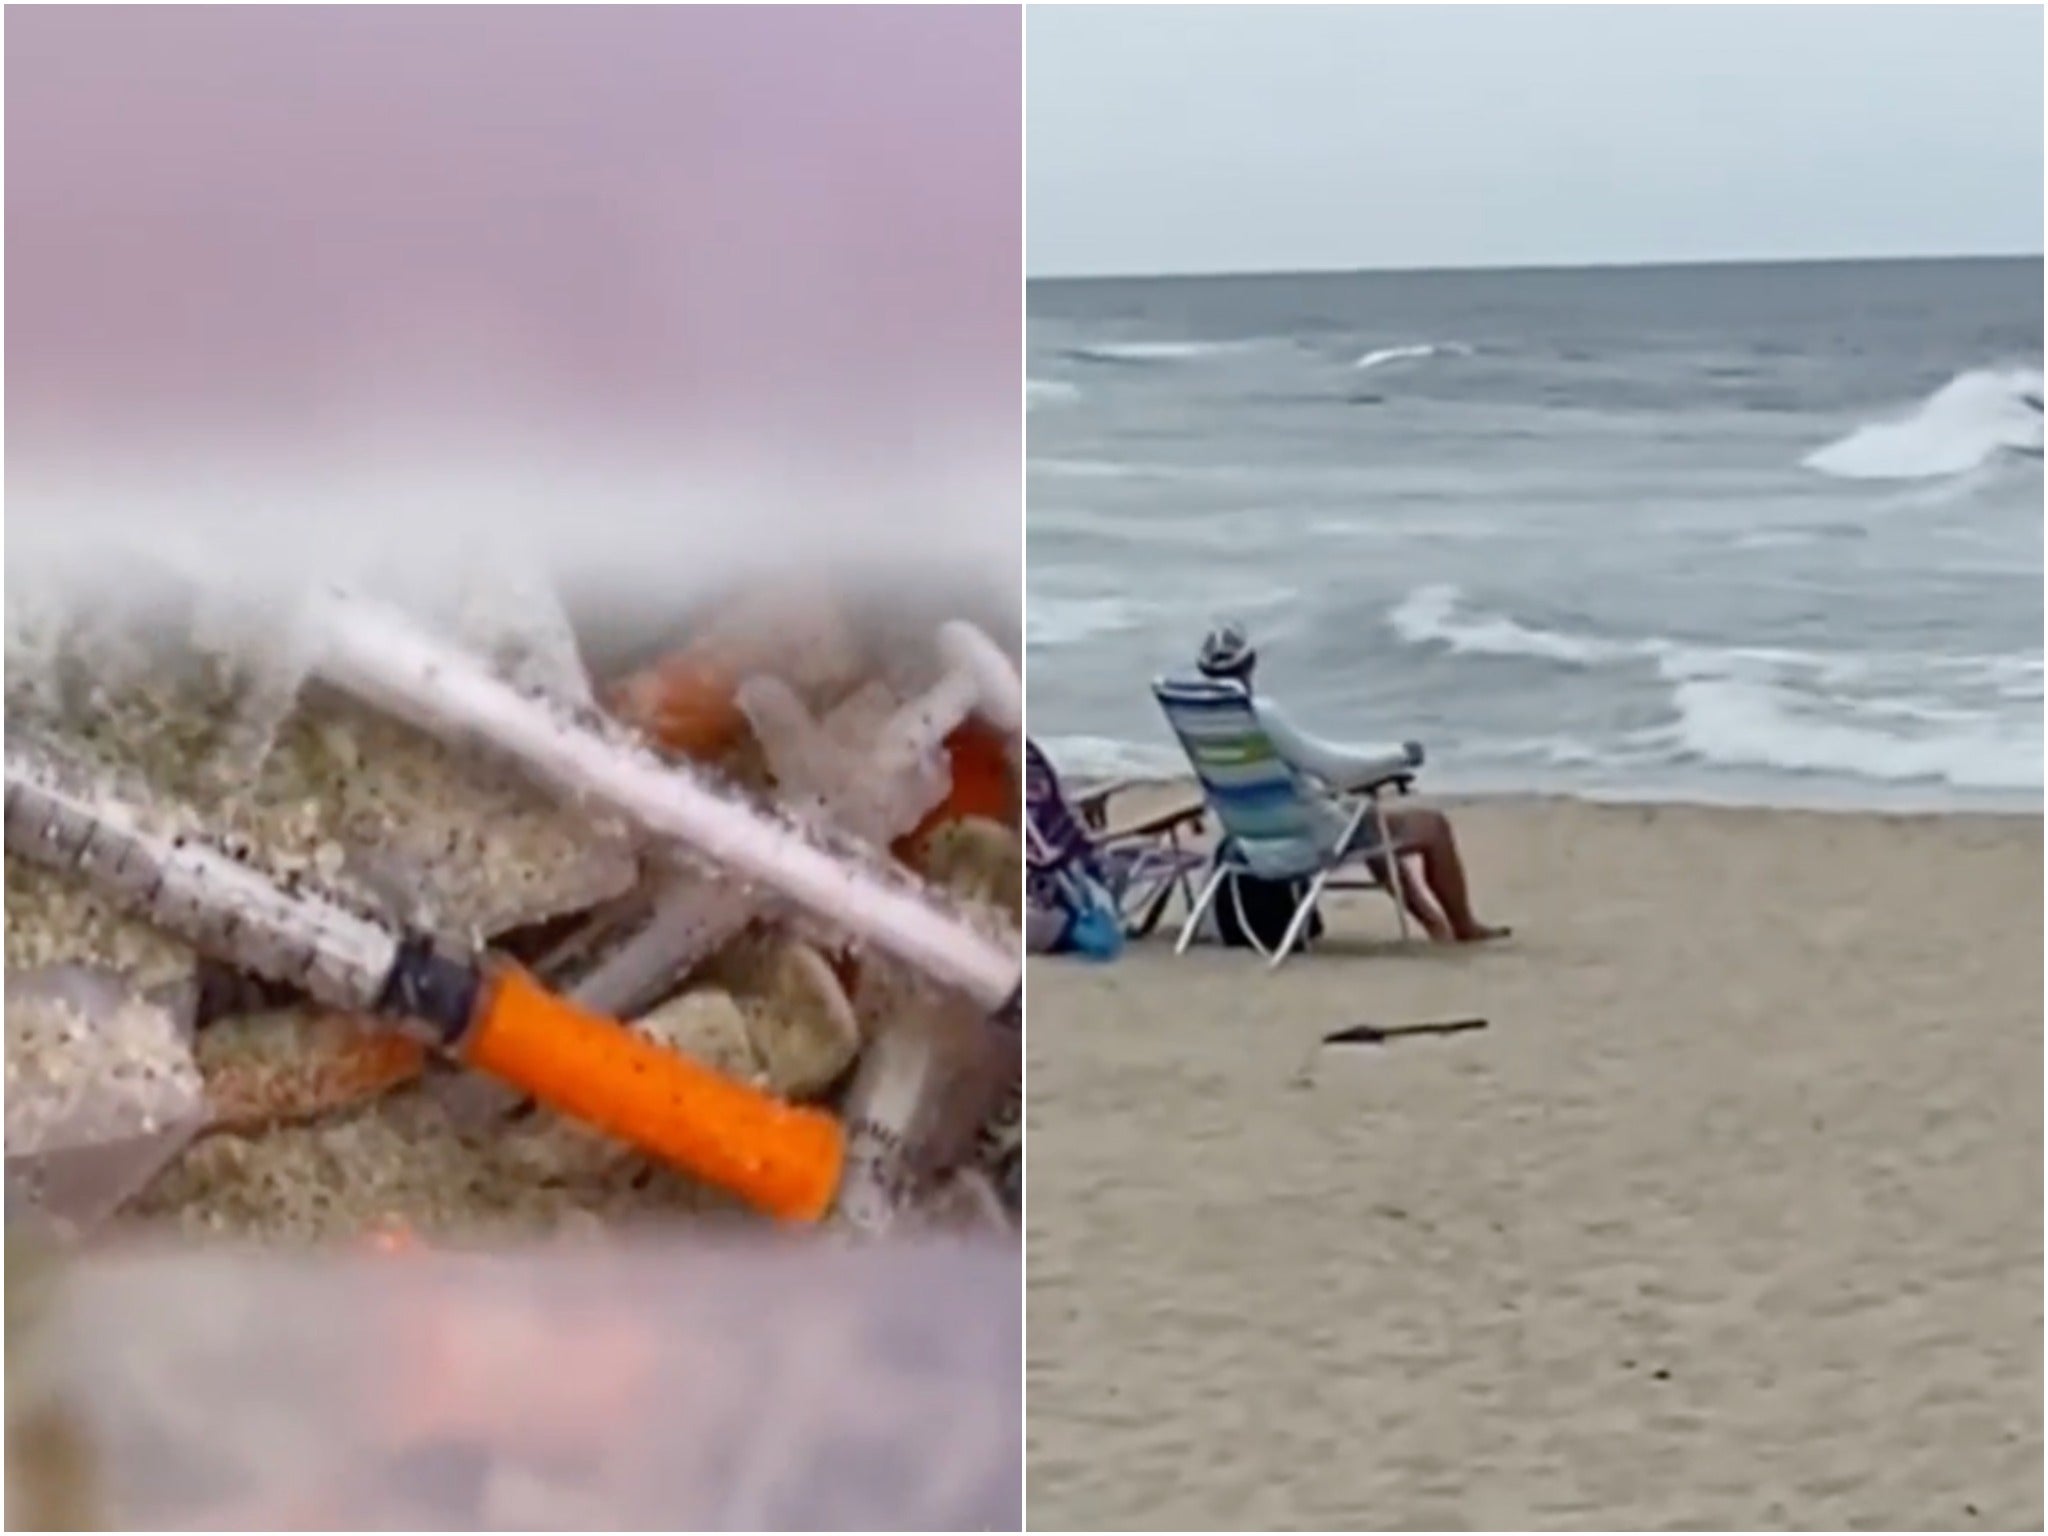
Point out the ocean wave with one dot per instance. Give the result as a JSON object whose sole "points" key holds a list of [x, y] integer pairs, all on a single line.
{"points": [[1081, 759], [1057, 621], [1436, 615], [1728, 722], [1384, 355], [1128, 352], [1875, 716], [1969, 421], [1049, 392]]}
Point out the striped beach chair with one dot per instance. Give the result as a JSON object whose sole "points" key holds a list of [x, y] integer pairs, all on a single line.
{"points": [[1278, 824]]}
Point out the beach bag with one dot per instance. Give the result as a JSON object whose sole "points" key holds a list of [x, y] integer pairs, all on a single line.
{"points": [[1096, 931], [1251, 913], [1067, 912]]}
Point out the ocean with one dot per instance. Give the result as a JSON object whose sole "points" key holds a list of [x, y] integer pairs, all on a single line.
{"points": [[1751, 533]]}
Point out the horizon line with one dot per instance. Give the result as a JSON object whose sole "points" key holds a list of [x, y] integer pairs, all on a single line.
{"points": [[1661, 264]]}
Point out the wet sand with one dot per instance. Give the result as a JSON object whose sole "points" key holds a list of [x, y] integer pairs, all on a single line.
{"points": [[1731, 1218]]}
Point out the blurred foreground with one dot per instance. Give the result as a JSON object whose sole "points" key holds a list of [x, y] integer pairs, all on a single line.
{"points": [[651, 1384]]}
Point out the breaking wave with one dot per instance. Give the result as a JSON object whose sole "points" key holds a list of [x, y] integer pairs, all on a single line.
{"points": [[1746, 724], [1128, 352], [1894, 719], [1384, 355], [1970, 420]]}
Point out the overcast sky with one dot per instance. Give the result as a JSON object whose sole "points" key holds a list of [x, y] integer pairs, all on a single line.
{"points": [[1275, 138]]}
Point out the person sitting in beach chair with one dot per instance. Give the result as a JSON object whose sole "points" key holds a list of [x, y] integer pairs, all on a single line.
{"points": [[1139, 866], [1438, 894]]}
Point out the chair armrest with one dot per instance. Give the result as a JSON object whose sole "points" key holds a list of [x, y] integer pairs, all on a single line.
{"points": [[1395, 767], [1402, 781], [1165, 821], [1092, 805]]}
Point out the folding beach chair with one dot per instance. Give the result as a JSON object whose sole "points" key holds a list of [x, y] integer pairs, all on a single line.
{"points": [[1141, 866], [1279, 824]]}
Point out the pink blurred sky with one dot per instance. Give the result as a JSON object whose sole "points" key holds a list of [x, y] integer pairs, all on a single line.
{"points": [[772, 220]]}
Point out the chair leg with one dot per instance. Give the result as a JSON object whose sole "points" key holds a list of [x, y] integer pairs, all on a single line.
{"points": [[1180, 881], [1201, 908], [1150, 911], [1302, 914], [1395, 886]]}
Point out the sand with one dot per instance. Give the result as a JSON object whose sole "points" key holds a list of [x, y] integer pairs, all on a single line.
{"points": [[1731, 1219]]}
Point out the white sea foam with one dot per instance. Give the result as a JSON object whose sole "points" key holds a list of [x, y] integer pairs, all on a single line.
{"points": [[1158, 351], [1964, 424], [1437, 614], [1734, 723], [1039, 392], [1380, 357], [1892, 718]]}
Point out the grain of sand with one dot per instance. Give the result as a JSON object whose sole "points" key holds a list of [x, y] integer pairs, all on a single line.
{"points": [[1730, 1220]]}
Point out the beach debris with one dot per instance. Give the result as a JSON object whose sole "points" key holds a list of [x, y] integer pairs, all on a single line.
{"points": [[102, 1092], [883, 791], [1380, 1034], [876, 788], [380, 657], [689, 914], [800, 1022], [487, 1015], [710, 1025], [978, 860], [930, 1094], [386, 817], [298, 1064], [317, 834], [514, 619], [686, 700]]}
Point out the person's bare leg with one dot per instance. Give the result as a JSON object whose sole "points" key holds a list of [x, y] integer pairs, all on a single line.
{"points": [[1415, 896], [1428, 834]]}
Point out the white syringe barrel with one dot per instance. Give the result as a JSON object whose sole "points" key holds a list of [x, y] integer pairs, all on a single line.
{"points": [[382, 658], [65, 822]]}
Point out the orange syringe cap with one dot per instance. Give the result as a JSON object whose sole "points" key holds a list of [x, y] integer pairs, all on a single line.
{"points": [[781, 1158]]}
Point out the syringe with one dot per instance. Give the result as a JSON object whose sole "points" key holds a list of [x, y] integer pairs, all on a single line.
{"points": [[478, 1009], [388, 662]]}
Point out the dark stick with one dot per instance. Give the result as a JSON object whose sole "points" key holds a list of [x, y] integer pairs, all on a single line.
{"points": [[1375, 1034]]}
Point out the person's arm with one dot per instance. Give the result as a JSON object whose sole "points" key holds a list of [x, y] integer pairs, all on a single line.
{"points": [[1341, 767]]}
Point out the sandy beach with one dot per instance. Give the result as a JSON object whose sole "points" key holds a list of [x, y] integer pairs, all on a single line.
{"points": [[1730, 1219]]}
